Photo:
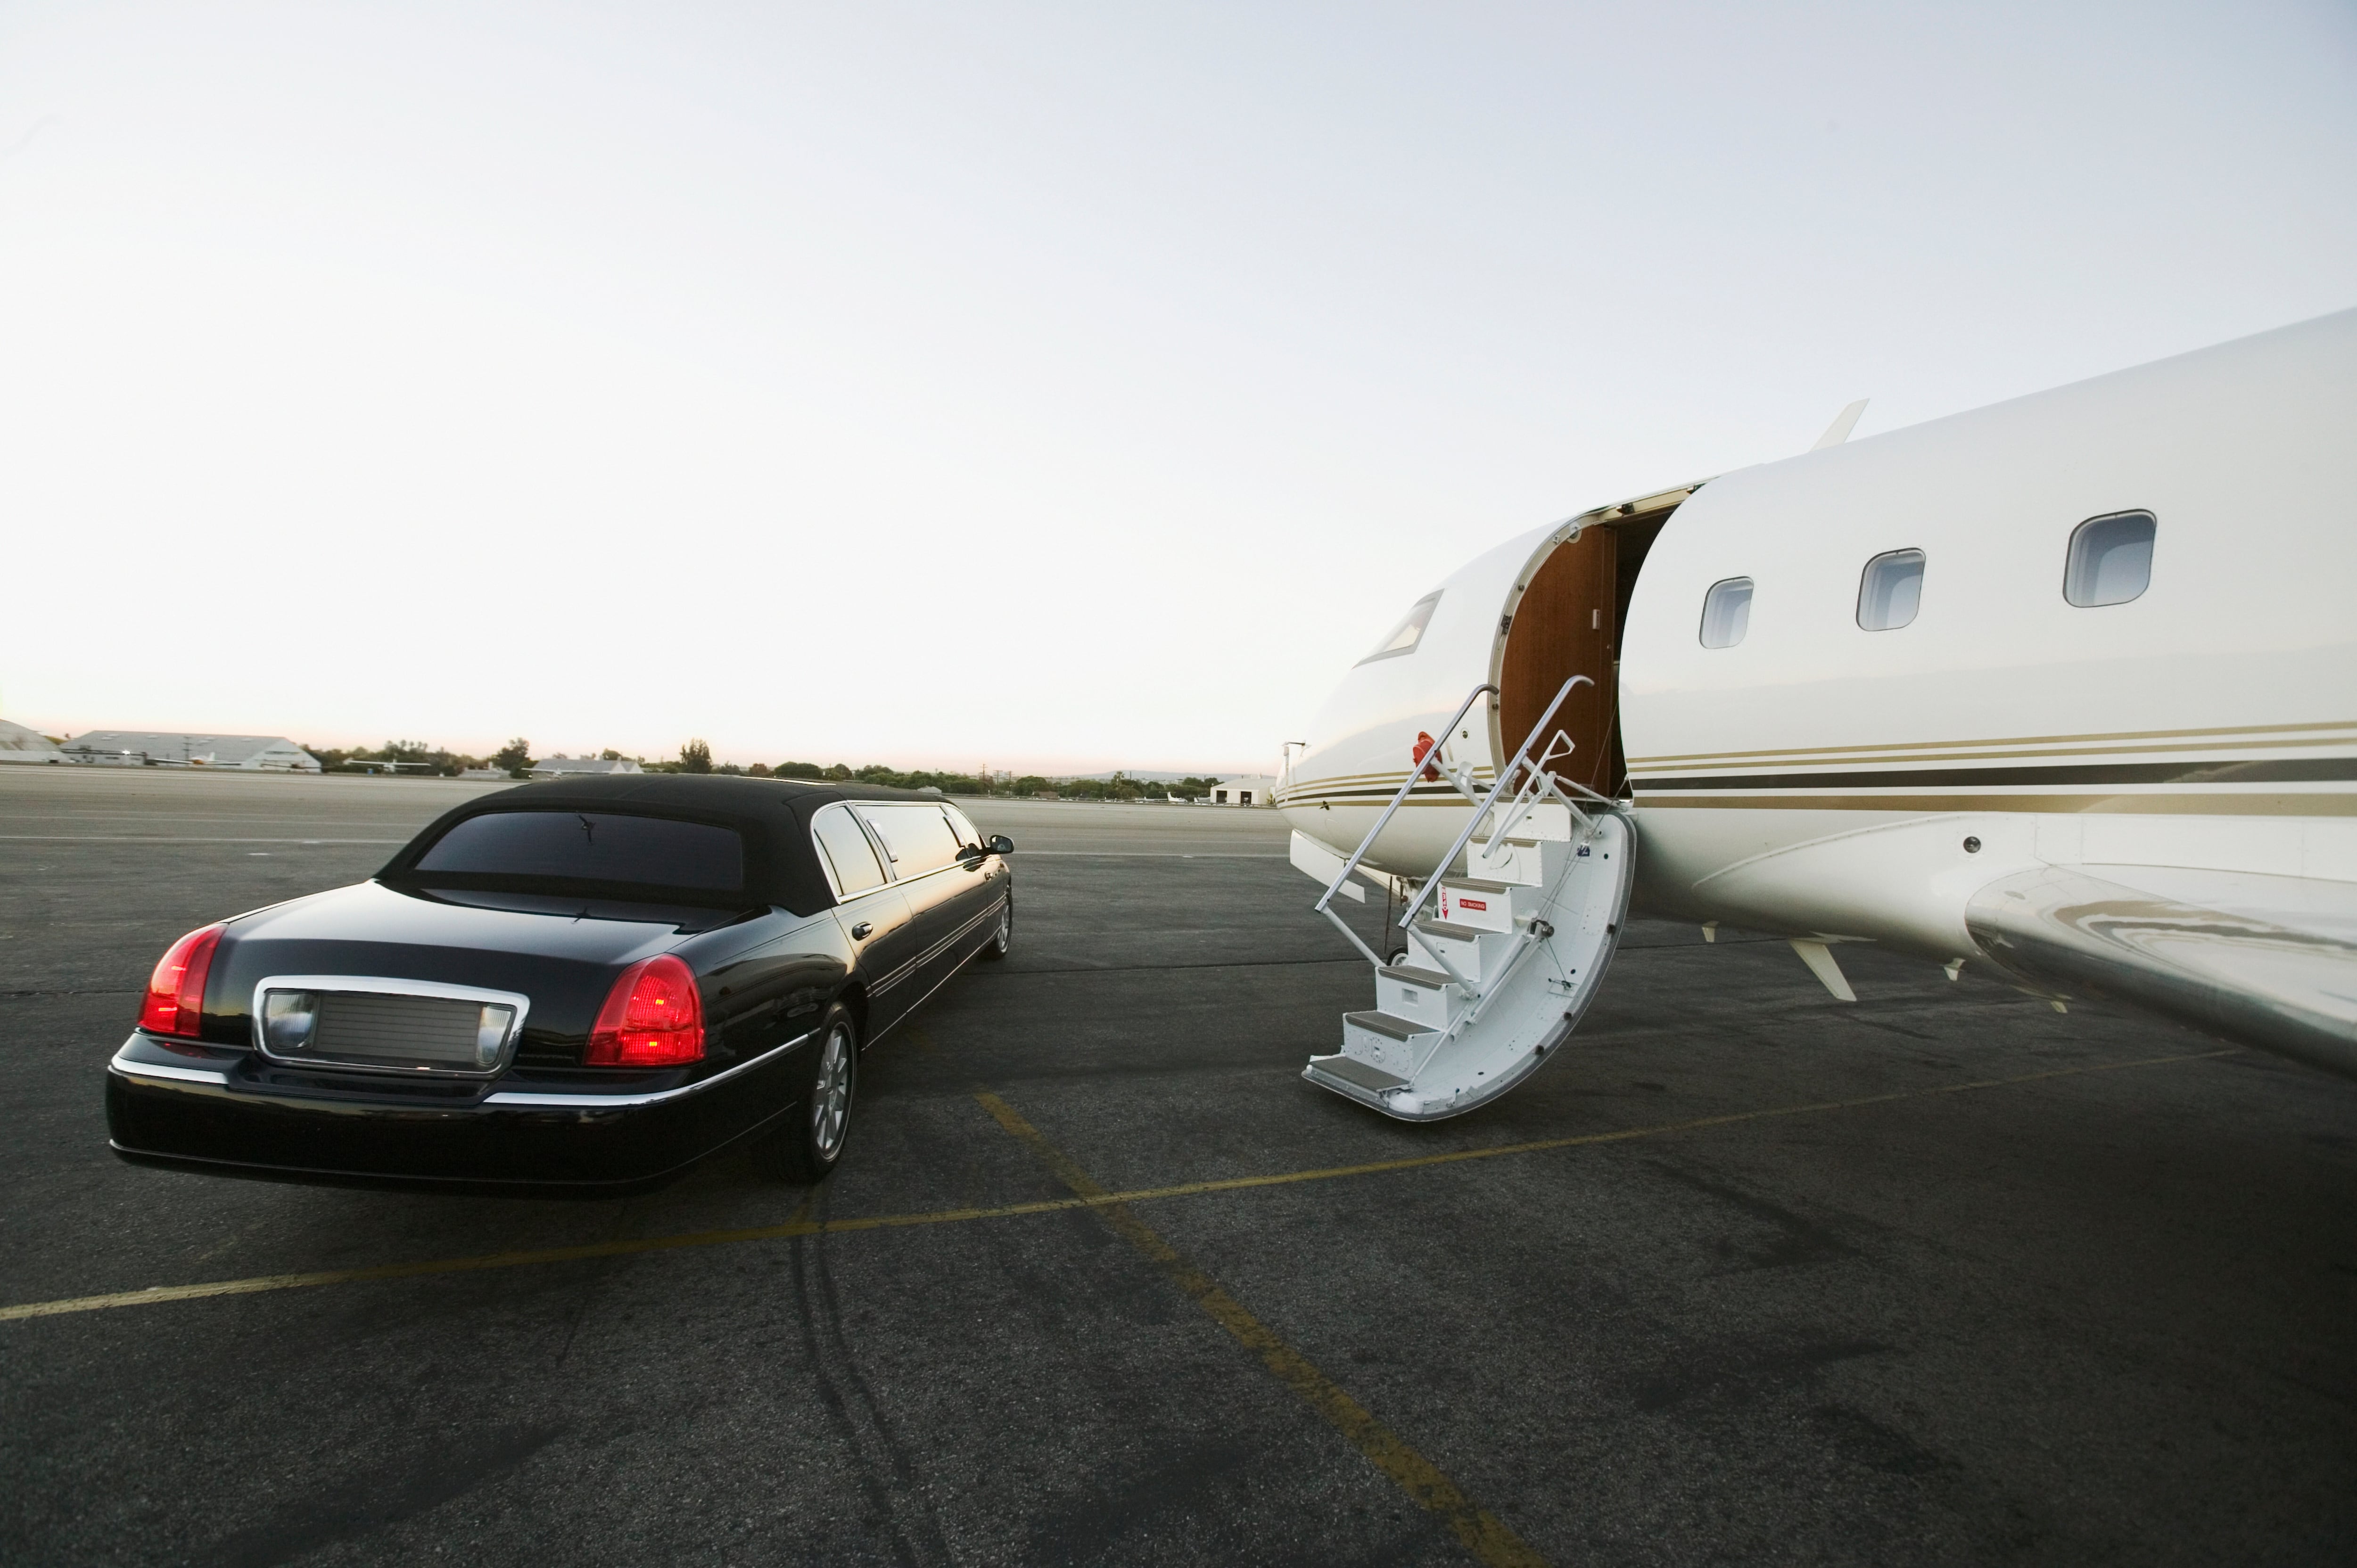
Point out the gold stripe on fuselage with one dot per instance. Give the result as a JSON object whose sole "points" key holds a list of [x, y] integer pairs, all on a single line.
{"points": [[2331, 732]]}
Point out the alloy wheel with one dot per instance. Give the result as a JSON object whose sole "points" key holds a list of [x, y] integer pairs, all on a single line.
{"points": [[831, 1094]]}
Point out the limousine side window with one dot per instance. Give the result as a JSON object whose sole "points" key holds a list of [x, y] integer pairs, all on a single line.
{"points": [[848, 854], [2111, 559], [1407, 634], [917, 838], [1890, 590], [1727, 613]]}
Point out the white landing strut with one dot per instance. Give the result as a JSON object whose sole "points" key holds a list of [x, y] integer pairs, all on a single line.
{"points": [[1496, 975]]}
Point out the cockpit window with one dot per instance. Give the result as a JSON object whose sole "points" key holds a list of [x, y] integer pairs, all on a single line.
{"points": [[1727, 612], [1890, 590], [1407, 634], [2111, 559]]}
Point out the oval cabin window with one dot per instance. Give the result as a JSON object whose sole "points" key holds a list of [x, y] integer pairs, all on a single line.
{"points": [[1890, 591], [1727, 613], [2111, 559]]}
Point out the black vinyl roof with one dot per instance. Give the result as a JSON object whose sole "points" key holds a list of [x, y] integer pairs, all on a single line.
{"points": [[773, 815]]}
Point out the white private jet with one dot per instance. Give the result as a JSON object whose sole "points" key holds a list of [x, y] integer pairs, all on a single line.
{"points": [[2068, 686]]}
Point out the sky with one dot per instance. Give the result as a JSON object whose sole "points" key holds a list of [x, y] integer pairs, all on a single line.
{"points": [[1054, 387]]}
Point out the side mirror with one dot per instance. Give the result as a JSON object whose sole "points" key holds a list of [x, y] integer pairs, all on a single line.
{"points": [[1000, 844]]}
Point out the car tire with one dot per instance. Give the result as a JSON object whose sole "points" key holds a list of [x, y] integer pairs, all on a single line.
{"points": [[809, 1143], [1003, 937]]}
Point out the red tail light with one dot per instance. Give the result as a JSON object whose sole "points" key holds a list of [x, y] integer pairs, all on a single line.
{"points": [[176, 992], [652, 1017]]}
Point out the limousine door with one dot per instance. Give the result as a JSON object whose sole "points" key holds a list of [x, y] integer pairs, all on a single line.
{"points": [[875, 916], [942, 896]]}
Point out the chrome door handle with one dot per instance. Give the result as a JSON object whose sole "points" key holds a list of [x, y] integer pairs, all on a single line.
{"points": [[861, 930]]}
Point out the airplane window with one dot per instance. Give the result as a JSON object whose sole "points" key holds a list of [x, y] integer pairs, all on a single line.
{"points": [[2111, 559], [1727, 613], [1407, 634], [1890, 591]]}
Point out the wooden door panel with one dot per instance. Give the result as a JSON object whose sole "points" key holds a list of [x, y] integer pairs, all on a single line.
{"points": [[1563, 626]]}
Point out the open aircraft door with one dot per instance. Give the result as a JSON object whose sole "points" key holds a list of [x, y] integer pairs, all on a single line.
{"points": [[1498, 822]]}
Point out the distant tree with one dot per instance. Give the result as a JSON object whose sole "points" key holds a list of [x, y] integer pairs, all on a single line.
{"points": [[799, 770], [696, 757], [1031, 784], [515, 756], [610, 754], [758, 770], [838, 771]]}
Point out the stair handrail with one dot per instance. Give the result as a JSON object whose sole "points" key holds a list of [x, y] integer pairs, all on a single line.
{"points": [[1506, 776], [1415, 771], [1540, 785]]}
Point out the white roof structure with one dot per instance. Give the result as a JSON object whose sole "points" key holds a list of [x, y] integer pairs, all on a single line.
{"points": [[152, 748], [18, 744], [575, 766], [1244, 789]]}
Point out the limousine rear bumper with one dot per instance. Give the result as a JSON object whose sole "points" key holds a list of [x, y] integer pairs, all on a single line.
{"points": [[230, 1113]]}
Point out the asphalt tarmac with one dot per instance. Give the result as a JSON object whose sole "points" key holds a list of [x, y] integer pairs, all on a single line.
{"points": [[1744, 1275]]}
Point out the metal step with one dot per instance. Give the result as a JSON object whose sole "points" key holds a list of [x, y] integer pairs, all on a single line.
{"points": [[1485, 905], [1544, 820], [1385, 1041], [1425, 997], [1525, 862], [1355, 1080], [1389, 1025], [1473, 952]]}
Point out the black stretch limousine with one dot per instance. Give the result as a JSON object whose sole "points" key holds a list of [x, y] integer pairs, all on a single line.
{"points": [[580, 987]]}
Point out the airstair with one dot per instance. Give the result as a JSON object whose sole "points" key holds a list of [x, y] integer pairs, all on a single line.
{"points": [[1504, 942]]}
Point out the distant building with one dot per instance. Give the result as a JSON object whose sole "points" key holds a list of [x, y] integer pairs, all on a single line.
{"points": [[144, 749], [483, 774], [576, 767], [18, 744], [1244, 790]]}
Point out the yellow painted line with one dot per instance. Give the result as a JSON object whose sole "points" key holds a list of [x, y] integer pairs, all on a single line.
{"points": [[157, 1295], [1483, 1533]]}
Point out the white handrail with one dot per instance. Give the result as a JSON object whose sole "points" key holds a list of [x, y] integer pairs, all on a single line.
{"points": [[1415, 771], [1506, 776]]}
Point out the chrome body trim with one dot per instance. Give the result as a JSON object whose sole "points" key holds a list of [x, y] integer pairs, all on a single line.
{"points": [[160, 1073], [655, 1097], [955, 969], [386, 985]]}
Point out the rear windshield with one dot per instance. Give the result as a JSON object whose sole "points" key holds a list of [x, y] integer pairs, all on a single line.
{"points": [[592, 847]]}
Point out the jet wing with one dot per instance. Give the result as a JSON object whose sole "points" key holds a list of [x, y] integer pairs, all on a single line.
{"points": [[2266, 961]]}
